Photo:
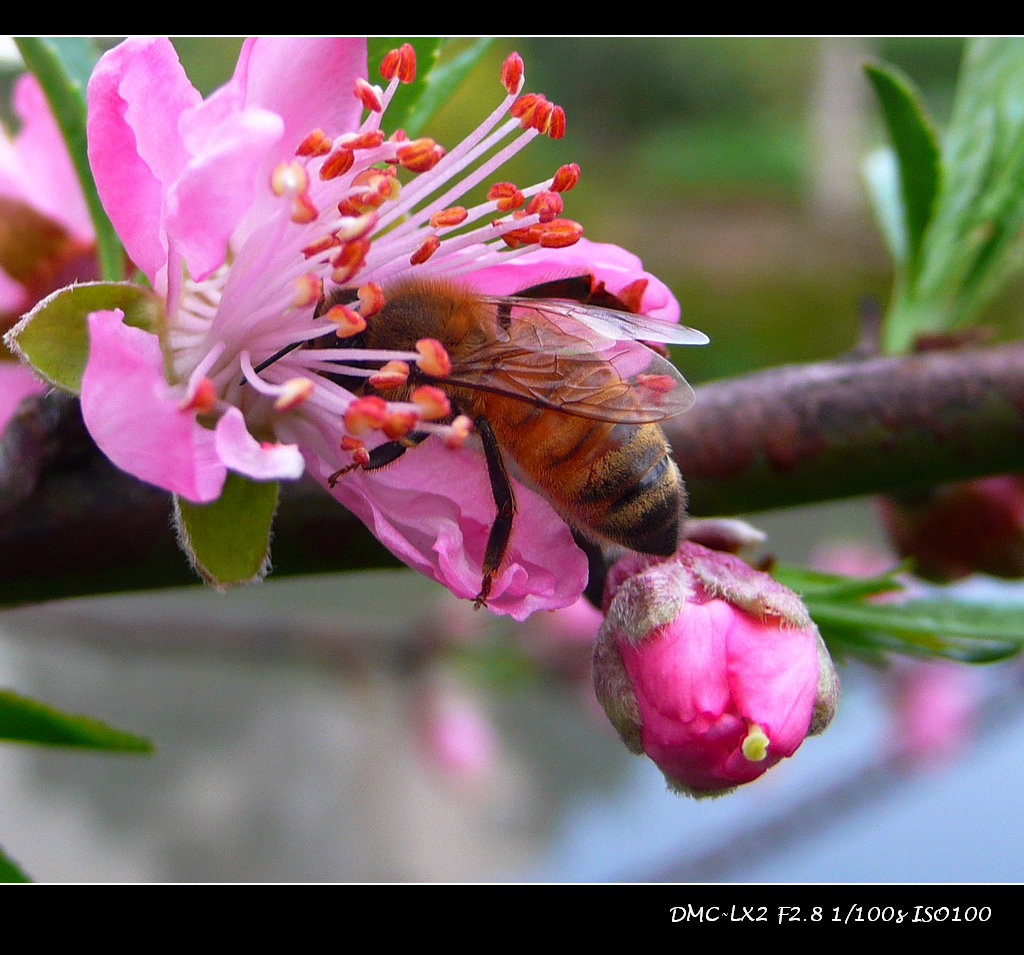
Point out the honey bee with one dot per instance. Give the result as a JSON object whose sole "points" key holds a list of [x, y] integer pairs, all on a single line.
{"points": [[557, 380]]}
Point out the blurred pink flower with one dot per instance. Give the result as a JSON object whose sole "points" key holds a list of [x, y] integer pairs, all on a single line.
{"points": [[46, 236], [934, 711], [710, 668], [458, 737], [242, 210]]}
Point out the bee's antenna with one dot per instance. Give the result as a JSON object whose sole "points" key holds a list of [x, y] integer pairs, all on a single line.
{"points": [[267, 362]]}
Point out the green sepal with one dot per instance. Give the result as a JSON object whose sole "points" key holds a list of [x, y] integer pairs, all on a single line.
{"points": [[54, 336], [228, 540], [24, 720]]}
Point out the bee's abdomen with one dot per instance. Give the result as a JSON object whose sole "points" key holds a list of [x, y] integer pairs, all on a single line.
{"points": [[616, 480]]}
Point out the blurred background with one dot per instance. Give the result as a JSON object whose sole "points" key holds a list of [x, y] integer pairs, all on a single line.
{"points": [[367, 727]]}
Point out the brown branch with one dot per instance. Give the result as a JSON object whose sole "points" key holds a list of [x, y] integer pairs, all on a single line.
{"points": [[804, 433], [70, 523]]}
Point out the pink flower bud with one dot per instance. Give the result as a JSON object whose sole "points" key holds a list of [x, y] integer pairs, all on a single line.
{"points": [[957, 529], [711, 668]]}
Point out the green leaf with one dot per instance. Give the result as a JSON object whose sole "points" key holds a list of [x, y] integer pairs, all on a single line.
{"points": [[931, 627], [9, 871], [54, 336], [228, 540], [917, 154], [975, 241], [408, 95], [25, 720], [444, 79], [62, 65], [817, 584], [438, 75]]}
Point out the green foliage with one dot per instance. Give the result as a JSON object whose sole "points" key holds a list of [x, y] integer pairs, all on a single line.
{"points": [[955, 225], [24, 720], [10, 872], [437, 76], [63, 65], [854, 621], [54, 336], [228, 540]]}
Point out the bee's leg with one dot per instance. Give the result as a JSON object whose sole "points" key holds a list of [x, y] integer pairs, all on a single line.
{"points": [[381, 455], [505, 499]]}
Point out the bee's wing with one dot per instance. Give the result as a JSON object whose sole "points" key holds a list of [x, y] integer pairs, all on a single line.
{"points": [[545, 353], [609, 322]]}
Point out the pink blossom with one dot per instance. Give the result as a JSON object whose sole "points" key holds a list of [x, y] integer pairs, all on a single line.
{"points": [[243, 210], [712, 669], [458, 736], [955, 530], [935, 710], [46, 236]]}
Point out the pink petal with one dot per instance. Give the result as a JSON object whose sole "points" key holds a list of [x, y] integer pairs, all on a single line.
{"points": [[219, 183], [136, 94], [241, 452], [136, 420], [307, 81], [433, 509], [609, 263]]}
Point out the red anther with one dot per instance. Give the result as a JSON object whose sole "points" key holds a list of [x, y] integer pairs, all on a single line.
{"points": [[427, 248], [433, 358], [400, 63], [533, 111], [632, 295], [371, 299], [337, 164], [548, 205], [365, 414], [308, 290], [355, 227], [419, 155], [348, 260], [319, 246], [399, 422], [303, 209], [316, 143], [512, 73], [556, 124], [370, 139], [360, 457], [349, 443], [289, 178], [369, 95], [452, 216], [506, 196], [566, 177], [202, 399], [457, 432], [399, 136], [393, 375], [432, 402], [296, 391], [347, 321], [542, 115], [559, 233]]}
